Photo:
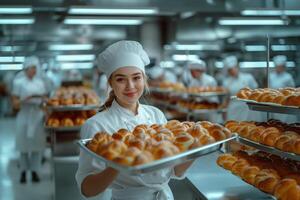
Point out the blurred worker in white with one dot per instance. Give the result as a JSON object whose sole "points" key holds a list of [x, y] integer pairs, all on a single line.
{"points": [[100, 83], [280, 78], [198, 76], [234, 81], [28, 92], [54, 75], [158, 74]]}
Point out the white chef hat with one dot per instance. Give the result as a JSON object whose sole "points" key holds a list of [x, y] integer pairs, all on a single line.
{"points": [[197, 64], [279, 60], [155, 72], [30, 62], [230, 62], [124, 53]]}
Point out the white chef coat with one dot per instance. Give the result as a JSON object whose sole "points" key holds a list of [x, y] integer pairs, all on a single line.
{"points": [[143, 186], [281, 80], [170, 76], [30, 132], [238, 110], [204, 80]]}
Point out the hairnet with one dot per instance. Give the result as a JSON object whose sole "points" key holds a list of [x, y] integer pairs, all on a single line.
{"points": [[279, 60], [197, 64], [31, 61], [230, 62]]}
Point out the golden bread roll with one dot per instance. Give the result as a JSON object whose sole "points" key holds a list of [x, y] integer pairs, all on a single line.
{"points": [[138, 143], [283, 140], [266, 183], [238, 167], [121, 135], [226, 161], [54, 101], [172, 123], [232, 124], [183, 141], [165, 143], [296, 146], [150, 144], [161, 152], [197, 131], [78, 99], [255, 134], [91, 100], [188, 124], [244, 93], [293, 100], [255, 95], [161, 136], [205, 124], [53, 122], [68, 100], [279, 99], [112, 149], [132, 152], [283, 188], [79, 121], [269, 136], [140, 133], [67, 122], [249, 173]]}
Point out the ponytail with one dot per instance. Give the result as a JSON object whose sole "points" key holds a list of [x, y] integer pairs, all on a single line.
{"points": [[108, 102]]}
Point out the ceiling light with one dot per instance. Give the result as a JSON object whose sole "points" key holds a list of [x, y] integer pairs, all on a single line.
{"points": [[284, 47], [83, 65], [199, 47], [99, 21], [256, 64], [179, 57], [270, 12], [252, 21], [15, 10], [167, 64], [70, 47], [5, 59], [8, 48], [75, 57], [255, 48], [28, 20], [11, 66], [112, 11]]}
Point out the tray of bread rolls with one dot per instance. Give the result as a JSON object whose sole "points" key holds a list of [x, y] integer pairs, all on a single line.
{"points": [[269, 173], [68, 120], [274, 136], [150, 148], [72, 107], [283, 100]]}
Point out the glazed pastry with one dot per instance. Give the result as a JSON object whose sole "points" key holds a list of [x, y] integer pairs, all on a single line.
{"points": [[183, 141]]}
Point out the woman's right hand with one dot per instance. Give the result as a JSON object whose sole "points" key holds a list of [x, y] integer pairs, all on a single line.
{"points": [[94, 184]]}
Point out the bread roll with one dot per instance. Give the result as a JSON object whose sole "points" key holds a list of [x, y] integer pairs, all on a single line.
{"points": [[226, 161], [67, 122], [205, 124], [244, 93], [266, 183], [249, 173], [138, 143], [79, 121], [269, 136], [53, 122], [282, 140], [132, 152], [293, 100], [53, 101], [161, 152], [238, 167], [121, 135], [183, 141], [124, 160], [197, 131], [160, 136], [283, 188]]}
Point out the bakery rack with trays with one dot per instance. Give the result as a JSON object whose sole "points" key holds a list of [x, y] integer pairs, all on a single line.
{"points": [[269, 107], [161, 163], [188, 112]]}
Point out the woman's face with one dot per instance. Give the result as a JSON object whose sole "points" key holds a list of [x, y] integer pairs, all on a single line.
{"points": [[31, 71], [128, 84]]}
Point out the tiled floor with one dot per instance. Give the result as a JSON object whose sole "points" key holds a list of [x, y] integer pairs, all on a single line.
{"points": [[10, 188]]}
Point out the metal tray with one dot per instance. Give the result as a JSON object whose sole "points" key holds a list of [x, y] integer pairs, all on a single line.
{"points": [[158, 164], [67, 128], [269, 149], [270, 107], [73, 107], [208, 94]]}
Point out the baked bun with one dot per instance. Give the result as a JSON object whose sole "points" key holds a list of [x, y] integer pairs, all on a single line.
{"points": [[79, 121], [121, 135], [67, 122], [205, 124], [138, 143], [226, 161], [161, 136], [112, 149], [238, 167], [161, 152], [293, 100], [269, 136], [183, 141], [53, 122], [197, 131], [244, 93], [249, 173], [54, 101], [124, 160], [284, 187]]}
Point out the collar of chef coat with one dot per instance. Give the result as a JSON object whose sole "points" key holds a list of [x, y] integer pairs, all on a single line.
{"points": [[116, 106]]}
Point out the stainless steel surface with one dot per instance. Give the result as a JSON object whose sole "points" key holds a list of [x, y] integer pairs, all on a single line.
{"points": [[72, 107], [158, 164], [270, 107], [61, 129], [269, 149], [215, 183]]}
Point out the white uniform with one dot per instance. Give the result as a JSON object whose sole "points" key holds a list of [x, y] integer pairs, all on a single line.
{"points": [[204, 80], [30, 133], [239, 110], [147, 186], [282, 80]]}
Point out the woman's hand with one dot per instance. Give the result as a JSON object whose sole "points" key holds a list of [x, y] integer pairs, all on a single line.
{"points": [[181, 168], [94, 184]]}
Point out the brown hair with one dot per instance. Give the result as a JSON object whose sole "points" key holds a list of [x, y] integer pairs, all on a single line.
{"points": [[111, 97]]}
